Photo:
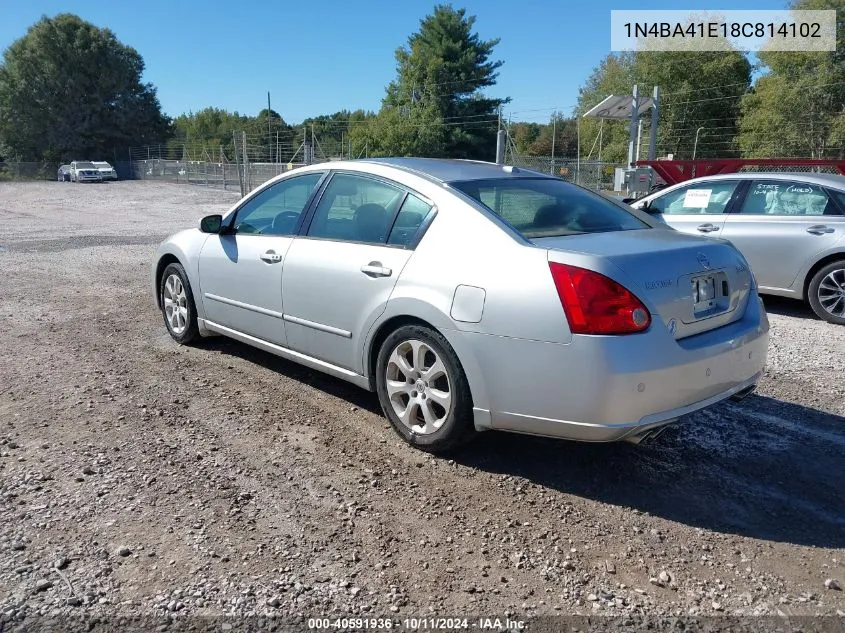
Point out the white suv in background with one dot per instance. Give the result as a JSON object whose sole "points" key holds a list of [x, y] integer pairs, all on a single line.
{"points": [[106, 170]]}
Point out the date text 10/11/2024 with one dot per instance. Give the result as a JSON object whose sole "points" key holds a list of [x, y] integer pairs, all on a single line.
{"points": [[418, 624]]}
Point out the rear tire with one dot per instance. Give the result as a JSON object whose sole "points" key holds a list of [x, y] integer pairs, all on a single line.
{"points": [[423, 389], [826, 293], [177, 304]]}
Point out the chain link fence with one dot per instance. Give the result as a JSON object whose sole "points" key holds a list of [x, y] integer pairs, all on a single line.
{"points": [[242, 164], [34, 171], [592, 174], [15, 171]]}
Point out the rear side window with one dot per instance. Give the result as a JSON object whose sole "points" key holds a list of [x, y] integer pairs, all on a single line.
{"points": [[784, 197], [410, 217], [548, 207]]}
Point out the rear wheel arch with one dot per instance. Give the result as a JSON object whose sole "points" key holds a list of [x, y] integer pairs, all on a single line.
{"points": [[824, 261], [384, 330]]}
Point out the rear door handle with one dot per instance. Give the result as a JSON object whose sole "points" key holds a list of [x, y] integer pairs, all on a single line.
{"points": [[707, 228], [271, 257], [820, 229], [375, 269]]}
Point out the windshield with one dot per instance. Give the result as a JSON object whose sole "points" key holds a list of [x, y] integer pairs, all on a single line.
{"points": [[549, 207], [85, 166], [99, 164]]}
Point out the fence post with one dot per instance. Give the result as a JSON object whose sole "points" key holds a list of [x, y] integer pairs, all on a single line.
{"points": [[500, 147], [247, 183], [223, 168]]}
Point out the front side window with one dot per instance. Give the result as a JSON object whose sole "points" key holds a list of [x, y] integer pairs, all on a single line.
{"points": [[702, 197], [356, 209], [276, 210], [785, 197], [549, 207]]}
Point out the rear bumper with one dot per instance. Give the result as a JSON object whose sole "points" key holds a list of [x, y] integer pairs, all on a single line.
{"points": [[602, 389]]}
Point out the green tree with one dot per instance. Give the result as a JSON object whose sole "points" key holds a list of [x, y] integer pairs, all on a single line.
{"points": [[797, 108], [69, 89], [440, 77]]}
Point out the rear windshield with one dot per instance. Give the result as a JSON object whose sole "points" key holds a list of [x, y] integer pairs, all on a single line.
{"points": [[549, 207]]}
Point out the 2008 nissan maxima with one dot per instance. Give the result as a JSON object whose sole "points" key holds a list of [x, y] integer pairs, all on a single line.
{"points": [[473, 296]]}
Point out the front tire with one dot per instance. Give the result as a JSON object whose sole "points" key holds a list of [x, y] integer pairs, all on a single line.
{"points": [[177, 305], [423, 390], [826, 293]]}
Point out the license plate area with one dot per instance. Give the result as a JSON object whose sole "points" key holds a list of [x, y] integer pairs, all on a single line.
{"points": [[710, 294]]}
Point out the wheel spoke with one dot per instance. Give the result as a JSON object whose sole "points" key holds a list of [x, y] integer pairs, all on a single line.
{"points": [[443, 398], [419, 352], [434, 372], [397, 387], [430, 419], [401, 363]]}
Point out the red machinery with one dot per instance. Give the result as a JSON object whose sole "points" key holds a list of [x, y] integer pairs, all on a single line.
{"points": [[675, 171]]}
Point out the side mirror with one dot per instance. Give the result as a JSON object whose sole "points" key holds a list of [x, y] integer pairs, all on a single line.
{"points": [[211, 223]]}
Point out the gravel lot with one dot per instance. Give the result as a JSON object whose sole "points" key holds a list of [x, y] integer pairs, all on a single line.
{"points": [[141, 477]]}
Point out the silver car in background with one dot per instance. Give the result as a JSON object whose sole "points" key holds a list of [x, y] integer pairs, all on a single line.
{"points": [[107, 172], [472, 296], [790, 227]]}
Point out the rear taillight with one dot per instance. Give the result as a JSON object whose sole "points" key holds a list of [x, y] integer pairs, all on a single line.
{"points": [[595, 304]]}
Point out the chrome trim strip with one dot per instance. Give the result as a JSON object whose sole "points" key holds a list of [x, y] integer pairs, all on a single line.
{"points": [[297, 357], [317, 326], [245, 306]]}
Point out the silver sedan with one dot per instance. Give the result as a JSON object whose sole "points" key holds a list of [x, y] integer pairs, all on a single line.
{"points": [[471, 296], [790, 227]]}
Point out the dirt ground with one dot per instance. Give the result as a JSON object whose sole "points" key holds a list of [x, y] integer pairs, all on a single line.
{"points": [[141, 477]]}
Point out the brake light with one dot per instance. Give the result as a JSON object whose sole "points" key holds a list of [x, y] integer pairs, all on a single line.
{"points": [[595, 304]]}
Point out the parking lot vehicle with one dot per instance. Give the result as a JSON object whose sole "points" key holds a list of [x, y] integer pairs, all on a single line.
{"points": [[790, 227], [63, 174], [84, 171], [473, 296], [106, 170]]}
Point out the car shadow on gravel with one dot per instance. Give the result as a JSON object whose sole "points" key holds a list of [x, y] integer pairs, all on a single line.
{"points": [[761, 468], [788, 307], [333, 386]]}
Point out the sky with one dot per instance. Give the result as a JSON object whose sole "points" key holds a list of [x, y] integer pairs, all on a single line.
{"points": [[321, 58]]}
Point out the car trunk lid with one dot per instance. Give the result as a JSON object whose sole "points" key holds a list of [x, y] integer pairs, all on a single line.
{"points": [[689, 283]]}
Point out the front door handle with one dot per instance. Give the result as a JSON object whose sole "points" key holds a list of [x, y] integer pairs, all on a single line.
{"points": [[271, 257], [820, 229], [707, 228], [375, 269]]}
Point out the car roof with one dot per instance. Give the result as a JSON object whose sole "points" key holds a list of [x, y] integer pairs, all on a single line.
{"points": [[451, 170], [825, 180]]}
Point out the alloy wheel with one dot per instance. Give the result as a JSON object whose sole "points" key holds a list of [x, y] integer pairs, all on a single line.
{"points": [[175, 304], [831, 293], [418, 386]]}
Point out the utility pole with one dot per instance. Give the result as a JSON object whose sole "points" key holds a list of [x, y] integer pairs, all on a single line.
{"points": [[554, 134]]}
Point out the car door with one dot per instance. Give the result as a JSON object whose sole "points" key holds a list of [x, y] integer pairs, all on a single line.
{"points": [[699, 208], [240, 270], [339, 275], [780, 225]]}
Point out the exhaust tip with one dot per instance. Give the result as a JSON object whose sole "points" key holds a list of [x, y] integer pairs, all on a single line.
{"points": [[742, 395], [647, 437]]}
